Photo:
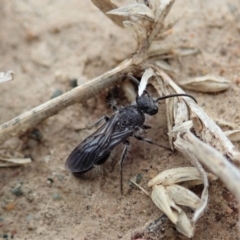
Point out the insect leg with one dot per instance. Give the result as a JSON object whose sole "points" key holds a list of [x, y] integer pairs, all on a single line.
{"points": [[124, 153], [140, 138], [106, 118]]}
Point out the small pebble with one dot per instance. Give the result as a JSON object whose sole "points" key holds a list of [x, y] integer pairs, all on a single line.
{"points": [[30, 196], [56, 196], [17, 191], [60, 177], [5, 236], [137, 179], [73, 83], [30, 217], [31, 226], [50, 181], [47, 158]]}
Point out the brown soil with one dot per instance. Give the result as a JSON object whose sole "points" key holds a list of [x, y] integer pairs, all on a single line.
{"points": [[49, 43]]}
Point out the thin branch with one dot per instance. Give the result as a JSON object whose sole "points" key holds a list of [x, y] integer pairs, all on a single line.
{"points": [[53, 106]]}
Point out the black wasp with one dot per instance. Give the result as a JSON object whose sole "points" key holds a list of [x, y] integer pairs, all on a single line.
{"points": [[126, 122]]}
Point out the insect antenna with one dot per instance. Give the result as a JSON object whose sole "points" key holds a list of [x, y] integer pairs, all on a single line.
{"points": [[176, 95]]}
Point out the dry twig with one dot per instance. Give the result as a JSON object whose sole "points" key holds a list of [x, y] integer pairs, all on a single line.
{"points": [[79, 94]]}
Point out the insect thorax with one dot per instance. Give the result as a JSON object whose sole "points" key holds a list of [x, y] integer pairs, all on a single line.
{"points": [[130, 117]]}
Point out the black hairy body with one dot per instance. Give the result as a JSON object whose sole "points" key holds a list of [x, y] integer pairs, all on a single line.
{"points": [[96, 148], [125, 122]]}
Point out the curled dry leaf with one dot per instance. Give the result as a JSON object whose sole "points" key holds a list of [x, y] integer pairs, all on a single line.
{"points": [[144, 80], [166, 197], [135, 12], [164, 202], [192, 147], [233, 135], [175, 175], [165, 66], [146, 19], [6, 76], [185, 226], [165, 51], [139, 16], [182, 109], [189, 184], [208, 83], [203, 125], [224, 123], [183, 196], [108, 5], [184, 115]]}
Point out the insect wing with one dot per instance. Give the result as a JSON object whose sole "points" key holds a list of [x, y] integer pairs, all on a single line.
{"points": [[119, 137], [92, 149]]}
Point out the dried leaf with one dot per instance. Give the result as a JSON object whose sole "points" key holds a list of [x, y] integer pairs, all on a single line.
{"points": [[144, 80], [208, 83], [221, 122], [184, 225], [166, 51], [185, 51], [106, 6], [193, 183], [175, 175], [8, 76], [203, 125], [158, 51], [233, 135], [165, 66], [164, 202], [138, 29], [135, 11], [192, 147], [183, 196]]}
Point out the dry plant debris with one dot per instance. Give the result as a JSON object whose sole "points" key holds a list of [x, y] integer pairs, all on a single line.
{"points": [[105, 6], [6, 76], [233, 135], [167, 195], [14, 162], [191, 131], [207, 83]]}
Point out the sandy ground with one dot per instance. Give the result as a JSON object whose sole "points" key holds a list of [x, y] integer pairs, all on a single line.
{"points": [[49, 43]]}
